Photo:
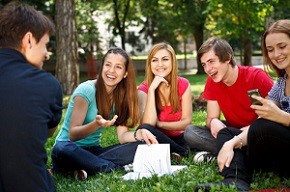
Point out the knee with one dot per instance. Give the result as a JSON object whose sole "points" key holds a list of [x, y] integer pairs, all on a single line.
{"points": [[63, 147], [190, 134], [149, 127]]}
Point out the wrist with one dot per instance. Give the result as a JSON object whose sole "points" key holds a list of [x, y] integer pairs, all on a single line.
{"points": [[135, 135], [239, 142]]}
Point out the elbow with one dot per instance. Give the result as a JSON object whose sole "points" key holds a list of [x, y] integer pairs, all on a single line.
{"points": [[72, 136]]}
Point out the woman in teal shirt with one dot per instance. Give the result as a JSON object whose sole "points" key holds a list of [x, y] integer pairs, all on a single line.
{"points": [[111, 99]]}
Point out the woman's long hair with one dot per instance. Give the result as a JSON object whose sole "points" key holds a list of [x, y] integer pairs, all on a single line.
{"points": [[124, 98], [280, 26], [171, 78]]}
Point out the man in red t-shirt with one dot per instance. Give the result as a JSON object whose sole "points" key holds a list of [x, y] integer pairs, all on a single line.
{"points": [[226, 93]]}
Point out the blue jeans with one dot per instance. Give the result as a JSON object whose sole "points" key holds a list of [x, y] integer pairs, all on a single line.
{"points": [[200, 138], [67, 156]]}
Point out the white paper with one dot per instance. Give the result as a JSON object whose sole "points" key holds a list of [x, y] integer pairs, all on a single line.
{"points": [[152, 159]]}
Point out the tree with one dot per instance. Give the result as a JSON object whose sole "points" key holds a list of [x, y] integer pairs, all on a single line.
{"points": [[67, 68], [242, 20], [191, 18]]}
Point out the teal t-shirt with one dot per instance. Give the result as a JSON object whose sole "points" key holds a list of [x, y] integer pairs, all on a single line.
{"points": [[86, 90]]}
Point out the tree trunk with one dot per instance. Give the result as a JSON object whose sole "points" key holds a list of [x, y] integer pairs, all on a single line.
{"points": [[198, 36], [248, 50], [67, 68]]}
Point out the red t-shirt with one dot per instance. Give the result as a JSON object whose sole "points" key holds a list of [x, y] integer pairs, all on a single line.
{"points": [[233, 100], [166, 113]]}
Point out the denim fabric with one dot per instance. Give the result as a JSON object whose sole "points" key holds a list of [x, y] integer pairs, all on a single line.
{"points": [[67, 156], [238, 168], [268, 146], [200, 138]]}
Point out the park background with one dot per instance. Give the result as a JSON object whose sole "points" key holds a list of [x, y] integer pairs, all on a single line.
{"points": [[85, 29]]}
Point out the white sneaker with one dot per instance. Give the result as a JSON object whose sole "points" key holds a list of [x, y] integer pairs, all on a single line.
{"points": [[204, 157], [80, 174]]}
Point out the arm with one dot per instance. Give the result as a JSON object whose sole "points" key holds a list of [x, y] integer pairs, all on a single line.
{"points": [[212, 120], [270, 110], [226, 153], [186, 114], [150, 113], [79, 131], [126, 136]]}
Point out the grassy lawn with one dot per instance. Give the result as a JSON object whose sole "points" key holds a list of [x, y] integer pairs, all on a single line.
{"points": [[183, 181]]}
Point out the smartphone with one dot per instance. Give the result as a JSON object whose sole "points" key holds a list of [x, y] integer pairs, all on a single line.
{"points": [[254, 92]]}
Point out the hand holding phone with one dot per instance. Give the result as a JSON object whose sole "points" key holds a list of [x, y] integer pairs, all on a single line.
{"points": [[254, 92]]}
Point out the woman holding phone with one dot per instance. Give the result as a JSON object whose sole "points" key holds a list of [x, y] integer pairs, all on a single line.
{"points": [[262, 146]]}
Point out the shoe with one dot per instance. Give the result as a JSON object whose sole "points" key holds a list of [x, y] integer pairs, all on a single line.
{"points": [[241, 185], [204, 156], [175, 157], [128, 168], [80, 175]]}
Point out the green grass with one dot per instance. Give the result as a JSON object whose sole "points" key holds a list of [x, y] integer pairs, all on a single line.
{"points": [[183, 181]]}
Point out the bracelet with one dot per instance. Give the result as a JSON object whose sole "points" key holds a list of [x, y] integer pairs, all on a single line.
{"points": [[135, 134], [241, 141]]}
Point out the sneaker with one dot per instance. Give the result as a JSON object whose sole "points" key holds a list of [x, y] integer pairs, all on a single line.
{"points": [[80, 175], [175, 157], [240, 185], [204, 156], [128, 168]]}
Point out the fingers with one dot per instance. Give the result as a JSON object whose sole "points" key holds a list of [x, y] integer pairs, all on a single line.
{"points": [[105, 123], [148, 137]]}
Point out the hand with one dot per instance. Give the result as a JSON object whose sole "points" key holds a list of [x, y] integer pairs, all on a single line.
{"points": [[225, 155], [147, 136], [216, 125], [105, 123], [269, 110], [157, 81]]}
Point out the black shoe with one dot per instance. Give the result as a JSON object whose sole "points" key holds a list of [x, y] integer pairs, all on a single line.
{"points": [[241, 185]]}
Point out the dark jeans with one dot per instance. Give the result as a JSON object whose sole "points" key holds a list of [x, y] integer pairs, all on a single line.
{"points": [[238, 167], [177, 143], [67, 156], [268, 144]]}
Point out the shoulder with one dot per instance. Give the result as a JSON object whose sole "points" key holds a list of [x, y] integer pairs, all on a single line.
{"points": [[251, 72], [86, 89], [143, 87], [183, 84]]}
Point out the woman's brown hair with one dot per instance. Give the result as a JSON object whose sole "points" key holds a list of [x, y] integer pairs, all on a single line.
{"points": [[123, 100], [280, 26], [172, 78]]}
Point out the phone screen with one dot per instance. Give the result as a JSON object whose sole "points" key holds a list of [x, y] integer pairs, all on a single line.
{"points": [[254, 92]]}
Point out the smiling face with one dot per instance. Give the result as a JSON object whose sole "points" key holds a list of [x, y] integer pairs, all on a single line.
{"points": [[114, 70], [161, 63], [278, 49], [213, 67]]}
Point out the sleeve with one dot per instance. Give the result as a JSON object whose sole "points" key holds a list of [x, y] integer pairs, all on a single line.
{"points": [[183, 83], [209, 90], [56, 108], [143, 87], [274, 93], [85, 90], [263, 82]]}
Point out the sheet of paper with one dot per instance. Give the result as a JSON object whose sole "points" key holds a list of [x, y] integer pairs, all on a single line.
{"points": [[150, 160]]}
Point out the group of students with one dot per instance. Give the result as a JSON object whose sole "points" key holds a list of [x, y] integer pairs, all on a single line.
{"points": [[248, 138]]}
